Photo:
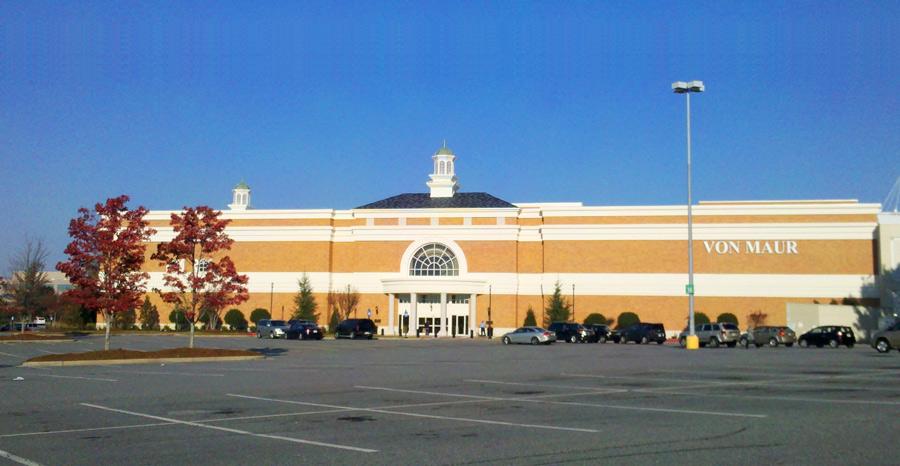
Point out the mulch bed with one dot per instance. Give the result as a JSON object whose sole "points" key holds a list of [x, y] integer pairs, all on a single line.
{"points": [[32, 337], [132, 354]]}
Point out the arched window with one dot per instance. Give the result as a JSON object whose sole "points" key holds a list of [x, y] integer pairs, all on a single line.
{"points": [[434, 260]]}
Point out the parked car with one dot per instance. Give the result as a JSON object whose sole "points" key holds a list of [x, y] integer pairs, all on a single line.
{"points": [[601, 332], [768, 335], [641, 333], [269, 328], [571, 332], [304, 331], [17, 327], [529, 335], [887, 339], [830, 335], [713, 335], [356, 328]]}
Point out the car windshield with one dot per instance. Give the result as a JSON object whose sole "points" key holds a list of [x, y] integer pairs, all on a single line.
{"points": [[729, 326], [276, 322]]}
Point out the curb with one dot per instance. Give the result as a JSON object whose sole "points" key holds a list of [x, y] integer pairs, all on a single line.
{"points": [[115, 362], [6, 342]]}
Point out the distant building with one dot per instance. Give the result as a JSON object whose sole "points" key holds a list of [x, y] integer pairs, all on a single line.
{"points": [[449, 259]]}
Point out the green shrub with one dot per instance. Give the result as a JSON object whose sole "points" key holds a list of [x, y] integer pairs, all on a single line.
{"points": [[597, 318], [530, 321], [235, 319], [178, 318], [700, 318], [727, 317], [258, 314], [626, 319]]}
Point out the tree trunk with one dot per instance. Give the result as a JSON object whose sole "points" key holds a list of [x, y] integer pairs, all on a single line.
{"points": [[191, 341], [106, 340]]}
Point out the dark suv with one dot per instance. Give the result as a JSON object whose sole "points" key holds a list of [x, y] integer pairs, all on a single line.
{"points": [[356, 328], [601, 332], [571, 332], [832, 336], [641, 333]]}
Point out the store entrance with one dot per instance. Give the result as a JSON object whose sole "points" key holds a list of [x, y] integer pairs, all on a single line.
{"points": [[428, 314]]}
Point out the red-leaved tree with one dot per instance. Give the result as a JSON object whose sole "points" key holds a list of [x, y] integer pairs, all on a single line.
{"points": [[195, 277], [105, 258]]}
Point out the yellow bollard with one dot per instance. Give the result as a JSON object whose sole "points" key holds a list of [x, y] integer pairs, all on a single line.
{"points": [[692, 342]]}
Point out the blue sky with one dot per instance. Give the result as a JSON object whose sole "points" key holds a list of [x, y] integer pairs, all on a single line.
{"points": [[338, 104]]}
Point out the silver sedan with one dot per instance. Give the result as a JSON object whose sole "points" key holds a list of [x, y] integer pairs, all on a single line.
{"points": [[529, 335]]}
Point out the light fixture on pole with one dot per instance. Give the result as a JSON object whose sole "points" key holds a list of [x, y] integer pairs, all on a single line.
{"points": [[686, 88]]}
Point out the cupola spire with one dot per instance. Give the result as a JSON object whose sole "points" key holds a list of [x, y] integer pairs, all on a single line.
{"points": [[443, 182], [240, 197]]}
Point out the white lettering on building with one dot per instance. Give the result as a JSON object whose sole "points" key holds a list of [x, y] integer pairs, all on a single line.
{"points": [[778, 247]]}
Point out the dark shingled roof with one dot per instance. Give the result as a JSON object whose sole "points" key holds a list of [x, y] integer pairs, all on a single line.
{"points": [[425, 201]]}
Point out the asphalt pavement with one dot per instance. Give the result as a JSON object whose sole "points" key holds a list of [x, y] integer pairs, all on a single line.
{"points": [[452, 401]]}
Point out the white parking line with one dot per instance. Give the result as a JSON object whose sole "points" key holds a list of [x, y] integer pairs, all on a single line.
{"points": [[778, 398], [188, 374], [11, 355], [596, 405], [427, 416], [576, 387], [233, 431], [86, 429], [17, 459], [48, 352], [74, 377]]}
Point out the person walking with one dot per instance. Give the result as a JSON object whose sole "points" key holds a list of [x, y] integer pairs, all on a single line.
{"points": [[482, 328]]}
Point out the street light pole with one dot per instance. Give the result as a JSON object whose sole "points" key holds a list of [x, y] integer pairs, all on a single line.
{"points": [[681, 87]]}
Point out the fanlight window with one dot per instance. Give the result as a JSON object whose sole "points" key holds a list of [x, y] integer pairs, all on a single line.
{"points": [[434, 260]]}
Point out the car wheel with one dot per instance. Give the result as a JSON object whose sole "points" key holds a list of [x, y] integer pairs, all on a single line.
{"points": [[271, 336], [534, 340], [353, 335], [258, 335], [804, 343], [573, 339], [745, 343], [505, 340], [644, 340], [659, 342], [602, 340], [682, 342], [833, 343], [713, 342], [773, 342], [882, 346]]}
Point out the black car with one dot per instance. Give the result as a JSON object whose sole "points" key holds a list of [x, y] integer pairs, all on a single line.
{"points": [[830, 335], [601, 332], [641, 333], [571, 332], [356, 328], [304, 331]]}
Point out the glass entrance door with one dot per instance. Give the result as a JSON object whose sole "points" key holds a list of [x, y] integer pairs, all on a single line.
{"points": [[461, 324]]}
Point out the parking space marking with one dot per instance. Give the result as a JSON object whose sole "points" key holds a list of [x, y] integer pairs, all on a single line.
{"points": [[86, 429], [189, 374], [636, 377], [426, 416], [101, 379], [17, 459], [233, 431], [48, 352], [12, 355], [779, 398], [577, 387], [536, 399]]}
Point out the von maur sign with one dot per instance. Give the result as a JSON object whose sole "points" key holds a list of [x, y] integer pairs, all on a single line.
{"points": [[751, 247]]}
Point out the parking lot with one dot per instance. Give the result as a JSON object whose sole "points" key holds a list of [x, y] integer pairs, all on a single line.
{"points": [[453, 402]]}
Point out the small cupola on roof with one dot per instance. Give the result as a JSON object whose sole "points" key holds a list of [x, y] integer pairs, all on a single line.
{"points": [[240, 197], [443, 181]]}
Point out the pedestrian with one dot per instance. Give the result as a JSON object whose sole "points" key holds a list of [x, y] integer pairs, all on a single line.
{"points": [[482, 328], [490, 330]]}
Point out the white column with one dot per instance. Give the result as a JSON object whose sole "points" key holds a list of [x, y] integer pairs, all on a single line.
{"points": [[413, 315], [472, 308], [391, 314], [444, 325]]}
